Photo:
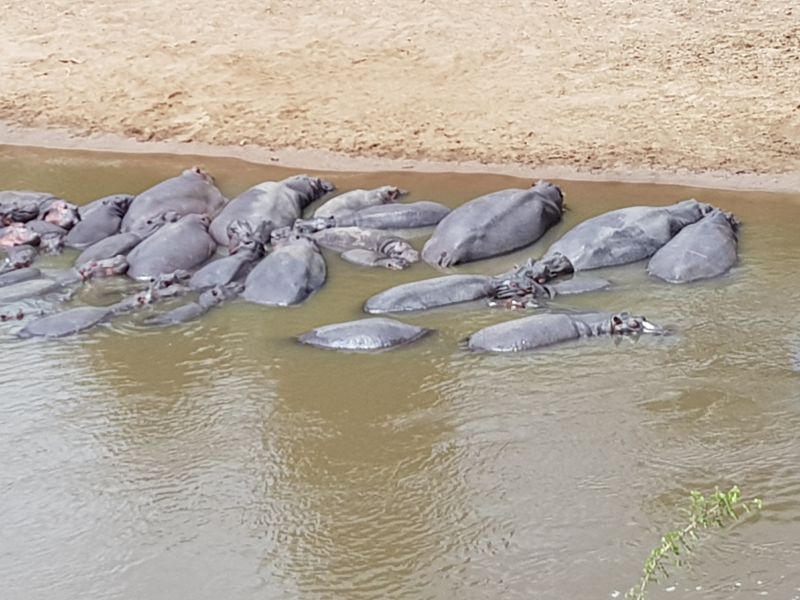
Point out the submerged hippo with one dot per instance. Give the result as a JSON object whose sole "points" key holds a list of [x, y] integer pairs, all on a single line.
{"points": [[355, 200], [182, 245], [701, 250], [289, 275], [494, 224], [99, 222], [614, 238], [395, 216], [18, 257], [369, 258], [192, 192], [539, 331], [68, 322], [270, 205], [430, 293], [341, 239], [194, 310], [19, 275], [364, 335]]}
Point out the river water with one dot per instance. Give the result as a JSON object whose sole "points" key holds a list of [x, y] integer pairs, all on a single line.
{"points": [[221, 459]]}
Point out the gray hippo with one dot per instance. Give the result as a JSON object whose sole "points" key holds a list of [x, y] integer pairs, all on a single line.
{"points": [[194, 310], [369, 258], [701, 250], [270, 205], [192, 192], [51, 236], [538, 331], [494, 224], [341, 239], [18, 257], [430, 293], [21, 207], [614, 238], [68, 322], [395, 216], [182, 245], [355, 200], [364, 335], [289, 275], [19, 275], [101, 221], [121, 243], [456, 289], [246, 251]]}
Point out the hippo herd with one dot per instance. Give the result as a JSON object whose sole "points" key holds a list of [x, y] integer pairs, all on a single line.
{"points": [[182, 237]]}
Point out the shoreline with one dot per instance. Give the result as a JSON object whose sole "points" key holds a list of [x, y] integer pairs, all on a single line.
{"points": [[321, 160]]}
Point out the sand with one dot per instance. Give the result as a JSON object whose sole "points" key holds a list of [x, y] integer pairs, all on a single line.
{"points": [[612, 86]]}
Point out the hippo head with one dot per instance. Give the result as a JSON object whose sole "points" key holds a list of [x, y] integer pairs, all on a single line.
{"points": [[393, 263], [52, 243], [198, 172], [391, 193], [19, 257], [19, 235], [281, 235], [242, 238], [314, 225], [400, 249], [551, 192], [18, 212], [118, 204], [107, 267], [531, 277], [625, 324], [219, 294], [61, 213], [309, 188], [554, 266]]}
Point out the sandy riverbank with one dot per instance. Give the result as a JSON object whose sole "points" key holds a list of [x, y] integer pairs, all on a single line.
{"points": [[647, 91]]}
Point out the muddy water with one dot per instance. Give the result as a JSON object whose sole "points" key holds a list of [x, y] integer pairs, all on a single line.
{"points": [[222, 460]]}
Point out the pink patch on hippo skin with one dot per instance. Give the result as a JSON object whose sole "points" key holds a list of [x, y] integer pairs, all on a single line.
{"points": [[18, 235], [62, 214]]}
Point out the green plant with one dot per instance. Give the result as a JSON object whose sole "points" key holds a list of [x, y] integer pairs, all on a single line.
{"points": [[715, 511]]}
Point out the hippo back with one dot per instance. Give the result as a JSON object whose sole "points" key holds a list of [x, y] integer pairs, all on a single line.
{"points": [[625, 235], [288, 276], [192, 192], [700, 251]]}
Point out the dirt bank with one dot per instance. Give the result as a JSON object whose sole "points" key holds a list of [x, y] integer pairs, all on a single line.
{"points": [[674, 86]]}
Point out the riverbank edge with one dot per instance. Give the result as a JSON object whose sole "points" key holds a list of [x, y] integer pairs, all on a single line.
{"points": [[321, 160]]}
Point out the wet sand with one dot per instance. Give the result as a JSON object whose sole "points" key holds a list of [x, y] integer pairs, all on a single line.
{"points": [[674, 91]]}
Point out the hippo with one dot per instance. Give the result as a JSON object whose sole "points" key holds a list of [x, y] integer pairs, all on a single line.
{"points": [[99, 222], [289, 275], [270, 205], [364, 335], [702, 250], [105, 267], [430, 293], [18, 257], [18, 234], [192, 192], [355, 200], [614, 238], [61, 213], [533, 295], [194, 310], [121, 243], [227, 269], [182, 245], [19, 275], [538, 331], [341, 239], [29, 288], [162, 287], [21, 207], [494, 224], [395, 216], [369, 258], [68, 322]]}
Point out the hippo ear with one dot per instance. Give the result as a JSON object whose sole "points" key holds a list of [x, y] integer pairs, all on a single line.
{"points": [[616, 319]]}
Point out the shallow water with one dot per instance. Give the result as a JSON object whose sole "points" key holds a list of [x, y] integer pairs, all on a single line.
{"points": [[221, 459]]}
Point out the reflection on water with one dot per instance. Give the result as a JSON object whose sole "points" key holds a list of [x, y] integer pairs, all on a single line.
{"points": [[221, 459]]}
